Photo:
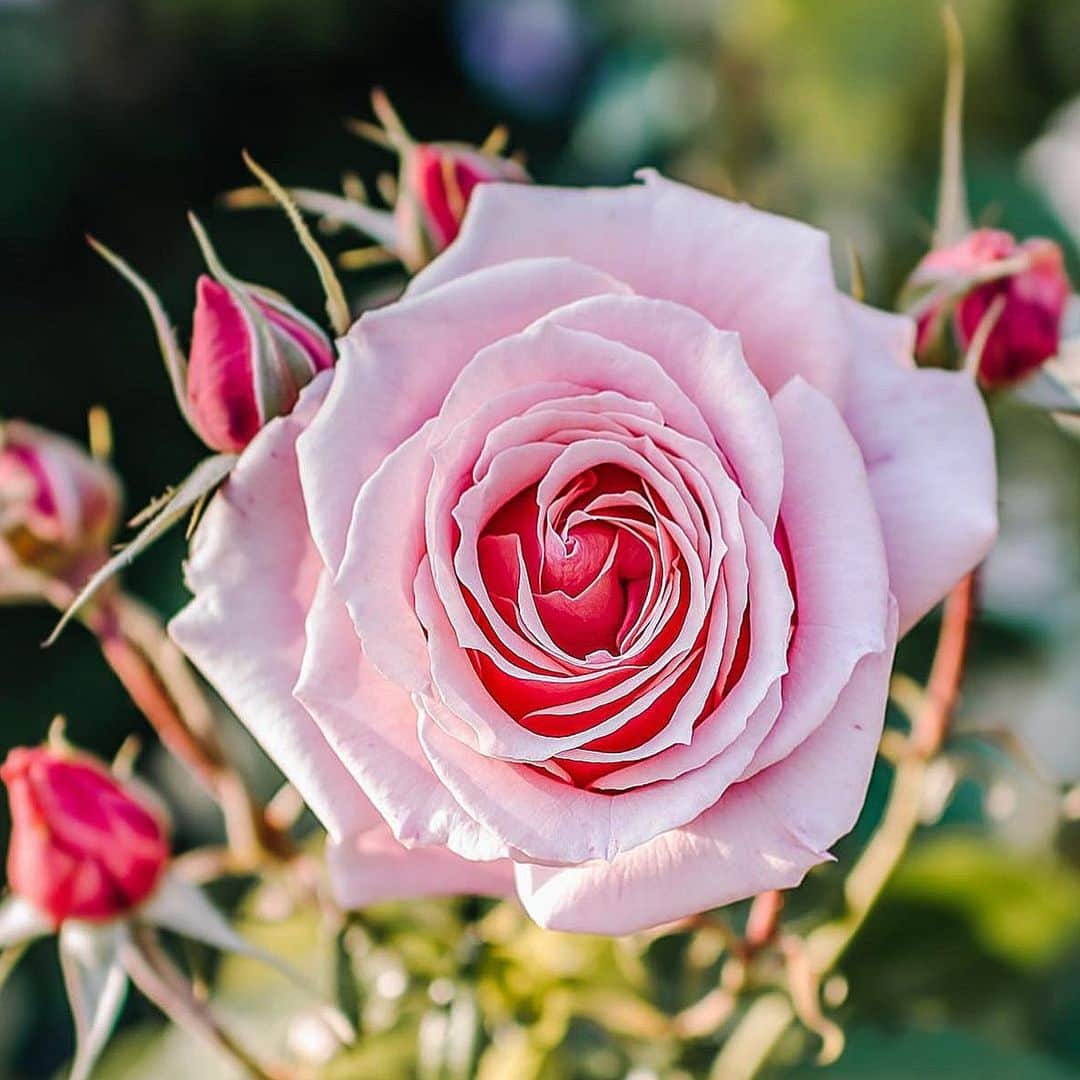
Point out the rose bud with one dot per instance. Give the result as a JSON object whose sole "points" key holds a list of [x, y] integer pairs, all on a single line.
{"points": [[83, 846], [435, 181], [1019, 289], [59, 507], [440, 177], [251, 354]]}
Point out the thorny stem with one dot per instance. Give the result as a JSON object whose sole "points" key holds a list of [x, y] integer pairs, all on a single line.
{"points": [[154, 973], [749, 1046]]}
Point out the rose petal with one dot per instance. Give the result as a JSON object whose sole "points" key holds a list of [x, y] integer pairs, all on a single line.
{"points": [[929, 451], [371, 725], [372, 866], [765, 833], [838, 561], [253, 571], [397, 364], [766, 277]]}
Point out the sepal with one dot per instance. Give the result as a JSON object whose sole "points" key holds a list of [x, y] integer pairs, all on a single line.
{"points": [[92, 963], [199, 484], [171, 352]]}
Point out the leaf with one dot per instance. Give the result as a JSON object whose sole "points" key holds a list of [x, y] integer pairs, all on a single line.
{"points": [[1022, 910], [96, 986], [203, 479], [887, 1056]]}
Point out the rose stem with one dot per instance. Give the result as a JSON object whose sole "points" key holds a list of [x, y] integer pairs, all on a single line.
{"points": [[161, 684], [748, 1047], [156, 675], [154, 973]]}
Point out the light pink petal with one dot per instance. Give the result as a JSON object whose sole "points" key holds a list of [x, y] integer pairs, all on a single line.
{"points": [[384, 549], [838, 561], [371, 724], [544, 820], [396, 366], [709, 368], [765, 833], [253, 571], [766, 277], [929, 451], [372, 866]]}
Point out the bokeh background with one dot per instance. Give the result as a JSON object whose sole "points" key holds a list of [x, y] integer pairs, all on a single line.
{"points": [[116, 116]]}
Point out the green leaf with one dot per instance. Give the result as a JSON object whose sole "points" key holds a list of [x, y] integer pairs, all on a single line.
{"points": [[1022, 909], [880, 1055]]}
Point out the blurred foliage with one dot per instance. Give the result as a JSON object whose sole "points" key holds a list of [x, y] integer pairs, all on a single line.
{"points": [[118, 115], [960, 961]]}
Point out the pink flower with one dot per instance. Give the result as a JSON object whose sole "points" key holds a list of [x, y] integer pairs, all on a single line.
{"points": [[82, 846], [251, 353], [59, 507], [438, 180], [989, 267], [581, 576]]}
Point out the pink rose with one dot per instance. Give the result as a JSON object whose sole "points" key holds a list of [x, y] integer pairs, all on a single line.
{"points": [[581, 575], [82, 846], [1027, 332]]}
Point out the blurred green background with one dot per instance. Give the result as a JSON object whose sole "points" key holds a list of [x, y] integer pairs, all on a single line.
{"points": [[116, 116]]}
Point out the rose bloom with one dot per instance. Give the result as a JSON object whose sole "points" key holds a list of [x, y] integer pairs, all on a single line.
{"points": [[582, 573], [82, 845]]}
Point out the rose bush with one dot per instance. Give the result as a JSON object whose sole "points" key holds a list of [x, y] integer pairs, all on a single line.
{"points": [[582, 573]]}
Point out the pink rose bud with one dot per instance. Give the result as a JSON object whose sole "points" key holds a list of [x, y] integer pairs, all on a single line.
{"points": [[82, 845], [971, 275], [59, 507], [440, 177], [251, 354]]}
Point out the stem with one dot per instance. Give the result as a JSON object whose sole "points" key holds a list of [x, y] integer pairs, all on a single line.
{"points": [[764, 919], [154, 973], [943, 687], [162, 685], [764, 1024]]}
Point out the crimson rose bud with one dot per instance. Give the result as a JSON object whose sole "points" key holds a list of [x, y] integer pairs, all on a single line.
{"points": [[82, 846], [1028, 330], [438, 180], [251, 354], [59, 507]]}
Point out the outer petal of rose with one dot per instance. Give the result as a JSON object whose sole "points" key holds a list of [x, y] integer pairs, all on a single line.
{"points": [[544, 820], [253, 570], [372, 866], [767, 277], [765, 833], [929, 451], [838, 561], [371, 725], [396, 366]]}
